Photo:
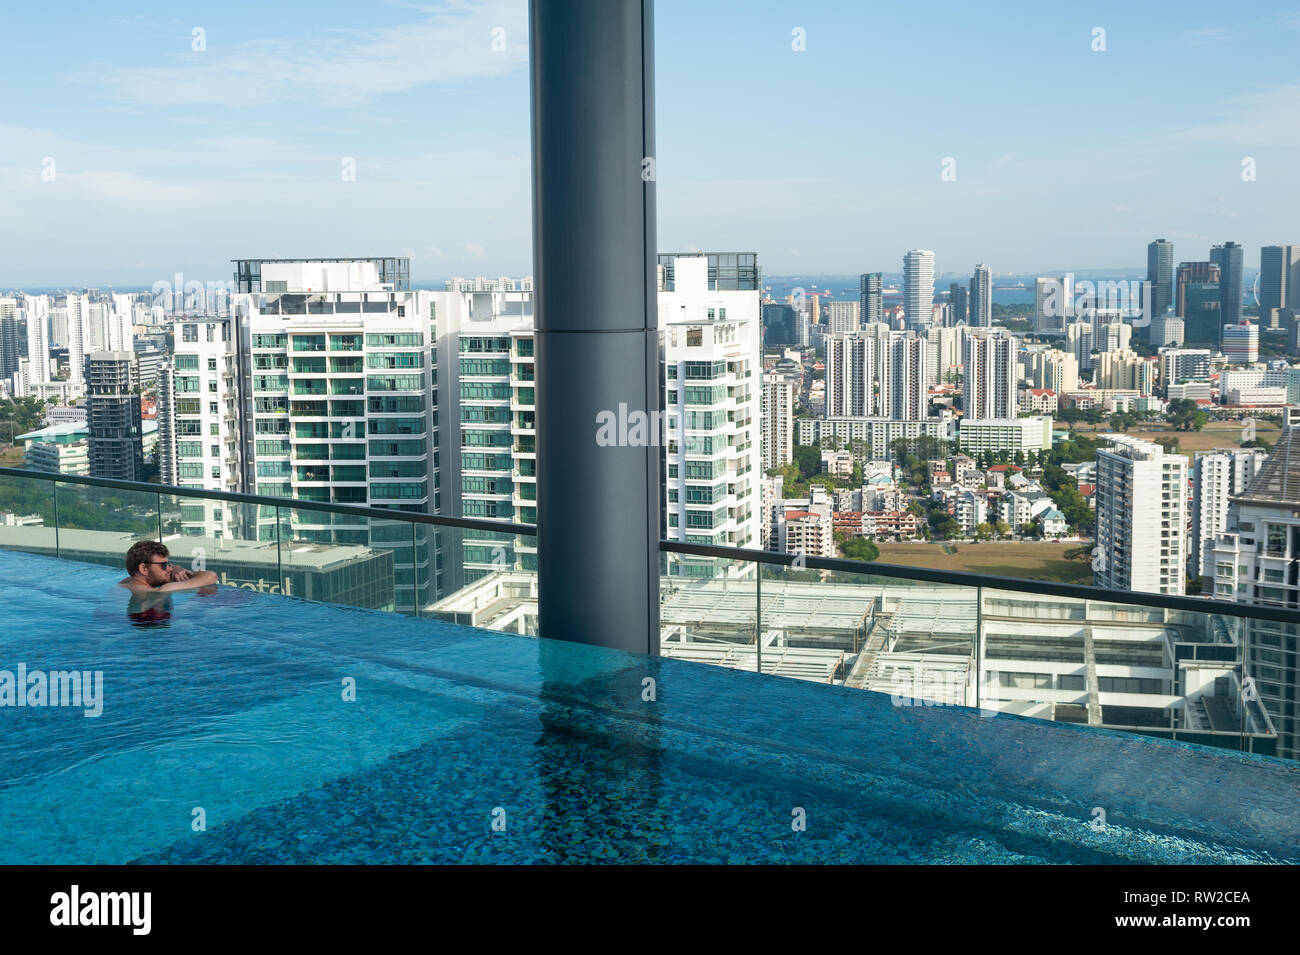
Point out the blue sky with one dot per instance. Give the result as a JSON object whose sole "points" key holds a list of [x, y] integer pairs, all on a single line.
{"points": [[828, 160]]}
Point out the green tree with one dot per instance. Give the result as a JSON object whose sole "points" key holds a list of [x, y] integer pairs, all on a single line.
{"points": [[1002, 528], [20, 416], [1185, 415], [859, 548], [983, 530]]}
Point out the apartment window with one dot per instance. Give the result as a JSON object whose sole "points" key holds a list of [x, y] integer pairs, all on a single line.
{"points": [[212, 364], [1276, 539], [212, 407], [189, 333], [187, 362], [216, 470], [212, 385], [214, 429]]}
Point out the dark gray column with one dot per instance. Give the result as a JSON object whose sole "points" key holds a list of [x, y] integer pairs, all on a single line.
{"points": [[597, 344]]}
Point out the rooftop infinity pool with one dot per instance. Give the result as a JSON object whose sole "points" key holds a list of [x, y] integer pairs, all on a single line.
{"points": [[250, 728]]}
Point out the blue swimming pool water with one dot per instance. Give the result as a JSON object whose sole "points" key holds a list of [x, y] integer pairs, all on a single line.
{"points": [[468, 746]]}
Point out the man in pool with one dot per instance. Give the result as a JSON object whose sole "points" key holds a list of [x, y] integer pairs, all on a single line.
{"points": [[152, 572]]}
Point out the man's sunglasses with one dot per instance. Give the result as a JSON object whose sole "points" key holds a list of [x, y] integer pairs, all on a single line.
{"points": [[161, 563]]}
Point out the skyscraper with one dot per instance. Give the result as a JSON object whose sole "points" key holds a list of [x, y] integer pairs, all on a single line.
{"points": [[78, 307], [1052, 299], [871, 297], [989, 384], [1141, 517], [918, 288], [1279, 285], [9, 335], [1199, 303], [959, 304], [1160, 273], [113, 416], [37, 308], [981, 297], [1228, 257]]}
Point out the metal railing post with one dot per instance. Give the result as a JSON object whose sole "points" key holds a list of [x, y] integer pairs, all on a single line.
{"points": [[758, 616], [979, 646], [279, 559], [57, 551]]}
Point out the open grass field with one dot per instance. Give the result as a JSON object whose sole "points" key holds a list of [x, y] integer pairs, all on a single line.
{"points": [[11, 457], [1035, 560], [1216, 434]]}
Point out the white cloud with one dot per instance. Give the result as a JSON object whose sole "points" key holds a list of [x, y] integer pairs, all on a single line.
{"points": [[453, 42]]}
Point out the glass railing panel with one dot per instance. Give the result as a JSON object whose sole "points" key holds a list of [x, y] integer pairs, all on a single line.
{"points": [[1208, 678], [708, 610], [97, 525], [236, 541], [910, 639], [483, 578], [27, 515], [350, 559]]}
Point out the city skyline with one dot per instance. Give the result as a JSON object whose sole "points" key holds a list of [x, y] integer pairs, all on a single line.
{"points": [[166, 147]]}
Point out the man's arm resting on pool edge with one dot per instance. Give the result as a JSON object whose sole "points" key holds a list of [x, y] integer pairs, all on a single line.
{"points": [[202, 578]]}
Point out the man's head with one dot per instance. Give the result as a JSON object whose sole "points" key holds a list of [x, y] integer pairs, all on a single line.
{"points": [[147, 560]]}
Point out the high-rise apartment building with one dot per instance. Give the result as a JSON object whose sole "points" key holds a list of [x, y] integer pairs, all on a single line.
{"points": [[1257, 561], [1217, 476], [1125, 370], [842, 317], [1055, 370], [1160, 273], [78, 307], [199, 441], [486, 376], [871, 301], [1141, 517], [981, 297], [116, 439], [918, 288], [1079, 343], [37, 308], [712, 384], [1228, 257], [908, 377], [337, 402], [990, 378], [777, 419]]}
